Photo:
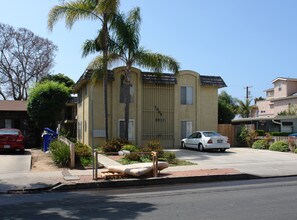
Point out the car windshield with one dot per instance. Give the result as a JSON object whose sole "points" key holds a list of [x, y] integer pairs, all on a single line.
{"points": [[211, 134], [8, 131]]}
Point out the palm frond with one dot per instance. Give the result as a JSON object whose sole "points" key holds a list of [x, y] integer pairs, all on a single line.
{"points": [[157, 62], [73, 11]]}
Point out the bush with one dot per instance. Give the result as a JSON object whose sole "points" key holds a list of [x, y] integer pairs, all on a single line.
{"points": [[130, 147], [114, 145], [132, 156], [283, 134], [247, 136], [280, 146], [60, 153], [83, 154], [295, 151], [260, 144], [154, 145], [82, 150], [260, 132], [292, 143], [170, 157]]}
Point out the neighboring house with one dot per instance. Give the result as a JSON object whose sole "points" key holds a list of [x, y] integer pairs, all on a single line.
{"points": [[265, 114], [166, 107], [13, 114]]}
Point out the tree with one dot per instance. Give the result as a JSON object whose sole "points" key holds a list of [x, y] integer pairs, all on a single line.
{"points": [[226, 108], [47, 102], [124, 47], [102, 10], [244, 108], [24, 59], [60, 78]]}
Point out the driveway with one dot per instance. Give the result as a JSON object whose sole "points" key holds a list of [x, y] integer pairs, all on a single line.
{"points": [[246, 160], [15, 162]]}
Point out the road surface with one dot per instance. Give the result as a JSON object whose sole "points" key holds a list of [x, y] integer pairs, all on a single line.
{"points": [[254, 199]]}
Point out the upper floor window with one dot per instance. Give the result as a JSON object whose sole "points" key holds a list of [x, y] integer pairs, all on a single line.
{"points": [[186, 95], [79, 96]]}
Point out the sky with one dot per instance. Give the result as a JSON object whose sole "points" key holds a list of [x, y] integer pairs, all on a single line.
{"points": [[246, 42]]}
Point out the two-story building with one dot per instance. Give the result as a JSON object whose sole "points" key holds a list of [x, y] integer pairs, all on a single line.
{"points": [[166, 107], [268, 114]]}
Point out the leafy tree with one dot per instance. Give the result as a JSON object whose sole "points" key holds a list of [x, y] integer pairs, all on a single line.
{"points": [[46, 103], [244, 108], [292, 110], [102, 10], [60, 78], [226, 108], [124, 47], [24, 59]]}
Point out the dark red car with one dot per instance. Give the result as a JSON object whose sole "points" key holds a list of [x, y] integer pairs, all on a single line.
{"points": [[11, 139]]}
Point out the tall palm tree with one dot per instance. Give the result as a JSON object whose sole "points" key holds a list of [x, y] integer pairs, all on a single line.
{"points": [[102, 10], [244, 108], [124, 47]]}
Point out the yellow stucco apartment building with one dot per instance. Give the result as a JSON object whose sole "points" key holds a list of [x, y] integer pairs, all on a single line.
{"points": [[165, 107]]}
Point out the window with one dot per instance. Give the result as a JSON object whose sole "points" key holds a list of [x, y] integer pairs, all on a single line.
{"points": [[79, 130], [86, 90], [79, 97], [122, 93], [186, 95], [130, 128], [186, 129], [8, 123]]}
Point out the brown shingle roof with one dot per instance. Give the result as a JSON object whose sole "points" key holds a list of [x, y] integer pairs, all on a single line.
{"points": [[12, 105], [216, 81]]}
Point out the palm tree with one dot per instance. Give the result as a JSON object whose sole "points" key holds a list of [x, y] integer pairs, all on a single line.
{"points": [[124, 46], [244, 108], [102, 10]]}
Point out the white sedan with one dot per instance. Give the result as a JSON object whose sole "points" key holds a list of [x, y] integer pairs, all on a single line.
{"points": [[203, 140]]}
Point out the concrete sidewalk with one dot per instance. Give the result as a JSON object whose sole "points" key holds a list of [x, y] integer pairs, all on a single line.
{"points": [[210, 170]]}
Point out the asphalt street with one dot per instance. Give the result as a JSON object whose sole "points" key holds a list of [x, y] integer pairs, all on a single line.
{"points": [[254, 199]]}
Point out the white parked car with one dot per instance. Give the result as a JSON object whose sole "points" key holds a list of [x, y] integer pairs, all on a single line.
{"points": [[203, 140]]}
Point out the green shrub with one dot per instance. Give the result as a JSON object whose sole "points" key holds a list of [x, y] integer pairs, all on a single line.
{"points": [[130, 147], [280, 146], [295, 151], [83, 154], [133, 157], [60, 153], [82, 150], [114, 145], [283, 134], [260, 132], [170, 157], [246, 136], [261, 144], [85, 161], [153, 145]]}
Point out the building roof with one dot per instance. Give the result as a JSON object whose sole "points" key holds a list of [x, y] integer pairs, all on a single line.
{"points": [[284, 79], [86, 76], [216, 81], [13, 105], [164, 78]]}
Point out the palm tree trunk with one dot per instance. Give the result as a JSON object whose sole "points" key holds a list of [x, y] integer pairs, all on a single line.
{"points": [[127, 107], [127, 83]]}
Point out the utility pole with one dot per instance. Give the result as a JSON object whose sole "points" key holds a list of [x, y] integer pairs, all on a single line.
{"points": [[247, 92]]}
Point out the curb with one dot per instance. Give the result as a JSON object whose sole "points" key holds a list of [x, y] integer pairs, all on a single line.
{"points": [[151, 181]]}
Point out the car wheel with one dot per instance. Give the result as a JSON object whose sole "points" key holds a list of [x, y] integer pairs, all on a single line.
{"points": [[183, 145], [200, 147], [223, 149]]}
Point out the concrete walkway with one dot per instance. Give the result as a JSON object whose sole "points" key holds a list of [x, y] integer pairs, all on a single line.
{"points": [[15, 163]]}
